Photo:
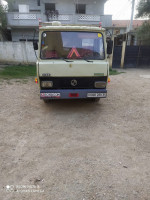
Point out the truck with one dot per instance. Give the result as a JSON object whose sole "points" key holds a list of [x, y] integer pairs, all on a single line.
{"points": [[72, 61]]}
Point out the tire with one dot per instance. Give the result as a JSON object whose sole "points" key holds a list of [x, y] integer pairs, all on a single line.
{"points": [[46, 100], [95, 99]]}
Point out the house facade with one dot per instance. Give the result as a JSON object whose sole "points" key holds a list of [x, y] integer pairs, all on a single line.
{"points": [[24, 15], [120, 29]]}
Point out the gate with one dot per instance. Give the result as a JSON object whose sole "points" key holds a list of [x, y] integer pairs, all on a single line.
{"points": [[137, 56], [131, 56], [117, 56], [143, 56]]}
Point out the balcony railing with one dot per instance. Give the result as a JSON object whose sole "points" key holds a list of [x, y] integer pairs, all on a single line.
{"points": [[59, 17], [16, 19], [32, 19], [92, 18], [106, 20], [25, 16]]}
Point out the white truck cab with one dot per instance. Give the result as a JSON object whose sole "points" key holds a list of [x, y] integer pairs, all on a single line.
{"points": [[72, 62]]}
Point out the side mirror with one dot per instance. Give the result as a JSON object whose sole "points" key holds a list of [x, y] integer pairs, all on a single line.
{"points": [[35, 45], [109, 46]]}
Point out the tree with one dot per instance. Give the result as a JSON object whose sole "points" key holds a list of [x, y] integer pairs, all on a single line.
{"points": [[143, 32], [143, 8], [3, 20], [10, 5]]}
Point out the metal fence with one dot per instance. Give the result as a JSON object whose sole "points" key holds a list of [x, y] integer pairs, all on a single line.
{"points": [[136, 56]]}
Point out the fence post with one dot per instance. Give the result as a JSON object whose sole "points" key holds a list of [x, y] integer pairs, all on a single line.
{"points": [[111, 56], [138, 57], [123, 53]]}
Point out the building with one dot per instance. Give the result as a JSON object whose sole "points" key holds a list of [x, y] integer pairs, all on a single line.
{"points": [[2, 36], [121, 27], [24, 15], [0, 31]]}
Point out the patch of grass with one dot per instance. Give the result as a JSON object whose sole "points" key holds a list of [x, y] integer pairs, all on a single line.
{"points": [[18, 72], [114, 72]]}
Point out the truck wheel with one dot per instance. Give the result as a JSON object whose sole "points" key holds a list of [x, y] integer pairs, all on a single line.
{"points": [[46, 100], [95, 99]]}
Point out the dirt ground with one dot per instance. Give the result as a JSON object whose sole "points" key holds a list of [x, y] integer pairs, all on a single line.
{"points": [[76, 150]]}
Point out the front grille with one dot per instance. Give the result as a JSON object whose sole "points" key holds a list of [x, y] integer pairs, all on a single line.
{"points": [[65, 82]]}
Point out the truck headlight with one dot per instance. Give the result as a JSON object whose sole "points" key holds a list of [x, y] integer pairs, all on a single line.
{"points": [[47, 84], [100, 84]]}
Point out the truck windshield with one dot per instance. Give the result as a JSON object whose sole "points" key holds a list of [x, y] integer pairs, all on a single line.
{"points": [[72, 45]]}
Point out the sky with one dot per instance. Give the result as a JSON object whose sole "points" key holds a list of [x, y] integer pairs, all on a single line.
{"points": [[119, 9]]}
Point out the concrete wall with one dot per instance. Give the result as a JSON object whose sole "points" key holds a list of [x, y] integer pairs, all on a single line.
{"points": [[25, 34], [69, 6], [17, 52], [64, 6], [32, 4]]}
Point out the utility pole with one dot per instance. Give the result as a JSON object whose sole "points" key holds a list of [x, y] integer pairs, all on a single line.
{"points": [[132, 14]]}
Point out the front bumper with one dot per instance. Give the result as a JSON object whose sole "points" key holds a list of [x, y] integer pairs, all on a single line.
{"points": [[73, 93]]}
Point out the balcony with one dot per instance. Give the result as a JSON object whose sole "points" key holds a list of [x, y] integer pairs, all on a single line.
{"points": [[16, 19], [32, 19]]}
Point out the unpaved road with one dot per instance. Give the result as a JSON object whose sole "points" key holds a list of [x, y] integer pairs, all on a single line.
{"points": [[76, 150]]}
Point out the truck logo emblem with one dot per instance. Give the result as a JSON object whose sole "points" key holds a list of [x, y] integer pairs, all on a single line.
{"points": [[74, 82], [47, 74]]}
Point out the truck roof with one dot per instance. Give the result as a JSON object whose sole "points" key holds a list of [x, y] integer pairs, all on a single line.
{"points": [[59, 26]]}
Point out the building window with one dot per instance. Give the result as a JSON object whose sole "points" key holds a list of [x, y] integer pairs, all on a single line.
{"points": [[22, 40], [23, 8], [80, 8], [50, 7], [38, 2]]}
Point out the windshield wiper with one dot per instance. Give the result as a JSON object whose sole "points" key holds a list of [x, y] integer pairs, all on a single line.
{"points": [[51, 58], [88, 60], [65, 59]]}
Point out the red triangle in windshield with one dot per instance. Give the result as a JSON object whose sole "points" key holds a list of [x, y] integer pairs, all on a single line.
{"points": [[74, 51]]}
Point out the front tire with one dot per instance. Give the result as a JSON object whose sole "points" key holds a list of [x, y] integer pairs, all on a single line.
{"points": [[46, 100], [95, 99]]}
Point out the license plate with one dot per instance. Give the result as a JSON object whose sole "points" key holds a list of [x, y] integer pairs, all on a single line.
{"points": [[53, 95], [96, 95]]}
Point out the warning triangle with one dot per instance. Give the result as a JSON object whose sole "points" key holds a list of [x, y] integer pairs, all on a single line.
{"points": [[73, 51]]}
